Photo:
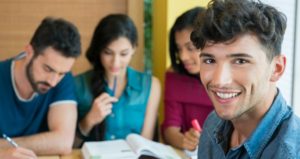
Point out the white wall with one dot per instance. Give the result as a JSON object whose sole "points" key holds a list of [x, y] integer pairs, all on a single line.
{"points": [[296, 99]]}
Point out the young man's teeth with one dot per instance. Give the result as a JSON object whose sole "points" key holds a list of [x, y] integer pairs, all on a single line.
{"points": [[226, 95]]}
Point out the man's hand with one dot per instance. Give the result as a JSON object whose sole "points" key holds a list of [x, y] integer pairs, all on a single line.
{"points": [[17, 153]]}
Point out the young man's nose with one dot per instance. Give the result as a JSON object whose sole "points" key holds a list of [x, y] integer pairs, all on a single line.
{"points": [[222, 75], [53, 79]]}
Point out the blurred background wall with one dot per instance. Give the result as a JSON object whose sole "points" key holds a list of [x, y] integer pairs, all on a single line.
{"points": [[20, 18]]}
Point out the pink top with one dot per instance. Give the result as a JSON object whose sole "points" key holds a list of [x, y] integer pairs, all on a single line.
{"points": [[185, 100]]}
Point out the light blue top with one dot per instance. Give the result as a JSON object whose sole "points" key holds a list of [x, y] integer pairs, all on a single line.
{"points": [[19, 116], [277, 136], [128, 113]]}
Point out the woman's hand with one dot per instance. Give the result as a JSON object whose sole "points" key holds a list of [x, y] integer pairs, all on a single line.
{"points": [[191, 139], [102, 106]]}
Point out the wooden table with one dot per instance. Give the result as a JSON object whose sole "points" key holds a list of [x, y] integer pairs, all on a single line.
{"points": [[76, 154]]}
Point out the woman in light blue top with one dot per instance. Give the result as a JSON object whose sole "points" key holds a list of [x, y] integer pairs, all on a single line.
{"points": [[113, 98]]}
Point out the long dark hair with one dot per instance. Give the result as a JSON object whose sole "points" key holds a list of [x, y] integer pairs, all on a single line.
{"points": [[184, 21], [108, 29]]}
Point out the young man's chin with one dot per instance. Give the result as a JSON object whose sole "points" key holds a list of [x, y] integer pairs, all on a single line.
{"points": [[42, 90], [224, 116], [226, 112]]}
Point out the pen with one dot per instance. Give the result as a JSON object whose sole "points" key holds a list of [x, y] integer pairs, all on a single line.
{"points": [[114, 86], [8, 139], [196, 125]]}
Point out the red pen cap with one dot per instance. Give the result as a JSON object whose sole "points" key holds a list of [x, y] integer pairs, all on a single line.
{"points": [[196, 125]]}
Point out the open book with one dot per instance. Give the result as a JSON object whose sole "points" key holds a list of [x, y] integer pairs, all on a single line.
{"points": [[131, 148]]}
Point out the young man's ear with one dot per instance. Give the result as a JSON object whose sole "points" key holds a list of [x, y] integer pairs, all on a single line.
{"points": [[29, 51], [279, 63]]}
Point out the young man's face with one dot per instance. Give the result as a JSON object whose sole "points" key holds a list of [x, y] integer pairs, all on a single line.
{"points": [[47, 69], [239, 78]]}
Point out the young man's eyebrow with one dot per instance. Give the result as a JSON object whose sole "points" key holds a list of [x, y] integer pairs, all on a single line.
{"points": [[50, 68], [53, 70], [204, 54], [240, 55]]}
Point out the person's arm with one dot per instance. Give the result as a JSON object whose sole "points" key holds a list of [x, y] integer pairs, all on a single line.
{"points": [[101, 107], [171, 130], [172, 133], [152, 109], [173, 112], [17, 153], [173, 136], [189, 140], [59, 138]]}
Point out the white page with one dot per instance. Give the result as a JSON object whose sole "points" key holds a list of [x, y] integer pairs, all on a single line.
{"points": [[135, 142], [144, 146], [116, 149]]}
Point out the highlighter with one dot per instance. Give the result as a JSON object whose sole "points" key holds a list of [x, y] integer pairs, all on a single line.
{"points": [[196, 125], [193, 154]]}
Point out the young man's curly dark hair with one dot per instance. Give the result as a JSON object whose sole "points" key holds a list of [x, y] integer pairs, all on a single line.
{"points": [[225, 20]]}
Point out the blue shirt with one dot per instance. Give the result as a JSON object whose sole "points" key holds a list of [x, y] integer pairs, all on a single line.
{"points": [[128, 113], [20, 117], [277, 136]]}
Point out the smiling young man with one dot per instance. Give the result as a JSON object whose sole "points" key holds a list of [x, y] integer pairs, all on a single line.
{"points": [[241, 62], [38, 106]]}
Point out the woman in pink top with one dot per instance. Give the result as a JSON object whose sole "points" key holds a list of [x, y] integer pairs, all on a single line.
{"points": [[185, 97]]}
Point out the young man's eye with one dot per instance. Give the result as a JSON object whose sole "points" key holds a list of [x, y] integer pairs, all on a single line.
{"points": [[47, 69], [208, 61], [241, 61]]}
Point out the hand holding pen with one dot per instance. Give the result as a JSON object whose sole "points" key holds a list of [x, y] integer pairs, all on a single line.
{"points": [[101, 107], [16, 152], [9, 140]]}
